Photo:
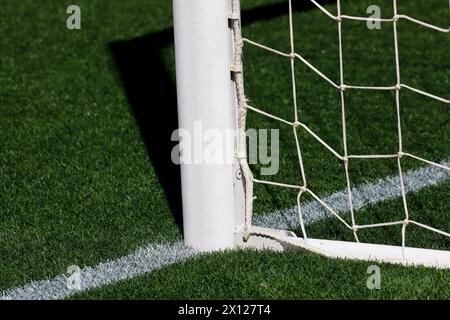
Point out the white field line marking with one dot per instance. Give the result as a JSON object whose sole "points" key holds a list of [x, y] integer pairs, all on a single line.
{"points": [[366, 194], [143, 260], [157, 256]]}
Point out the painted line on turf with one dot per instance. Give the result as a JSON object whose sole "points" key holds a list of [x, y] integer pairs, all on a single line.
{"points": [[364, 195], [157, 256], [143, 260]]}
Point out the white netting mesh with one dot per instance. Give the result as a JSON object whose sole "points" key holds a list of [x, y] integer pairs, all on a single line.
{"points": [[295, 123]]}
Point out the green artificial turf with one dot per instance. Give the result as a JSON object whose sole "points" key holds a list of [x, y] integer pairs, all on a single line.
{"points": [[268, 275], [77, 184], [294, 275]]}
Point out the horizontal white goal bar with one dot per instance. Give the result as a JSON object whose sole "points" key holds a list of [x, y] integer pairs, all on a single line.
{"points": [[377, 252], [407, 256]]}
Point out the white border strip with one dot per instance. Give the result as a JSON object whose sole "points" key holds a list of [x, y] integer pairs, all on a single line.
{"points": [[143, 260], [364, 195]]}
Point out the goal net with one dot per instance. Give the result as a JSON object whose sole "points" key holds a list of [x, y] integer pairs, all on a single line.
{"points": [[357, 250], [218, 199]]}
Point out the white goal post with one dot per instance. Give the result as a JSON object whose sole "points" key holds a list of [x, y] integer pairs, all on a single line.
{"points": [[205, 94], [217, 198]]}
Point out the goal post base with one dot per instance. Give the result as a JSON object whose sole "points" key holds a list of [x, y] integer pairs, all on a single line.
{"points": [[265, 238]]}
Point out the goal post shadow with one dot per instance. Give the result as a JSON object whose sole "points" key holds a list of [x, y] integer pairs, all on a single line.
{"points": [[152, 100]]}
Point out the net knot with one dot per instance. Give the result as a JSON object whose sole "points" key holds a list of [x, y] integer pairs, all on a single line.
{"points": [[236, 68], [239, 43], [296, 124], [339, 19], [396, 17], [342, 87], [241, 155], [398, 87], [405, 222], [355, 228], [303, 189], [233, 16], [292, 55], [400, 154]]}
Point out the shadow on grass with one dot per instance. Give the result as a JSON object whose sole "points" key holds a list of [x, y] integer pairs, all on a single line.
{"points": [[152, 95]]}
